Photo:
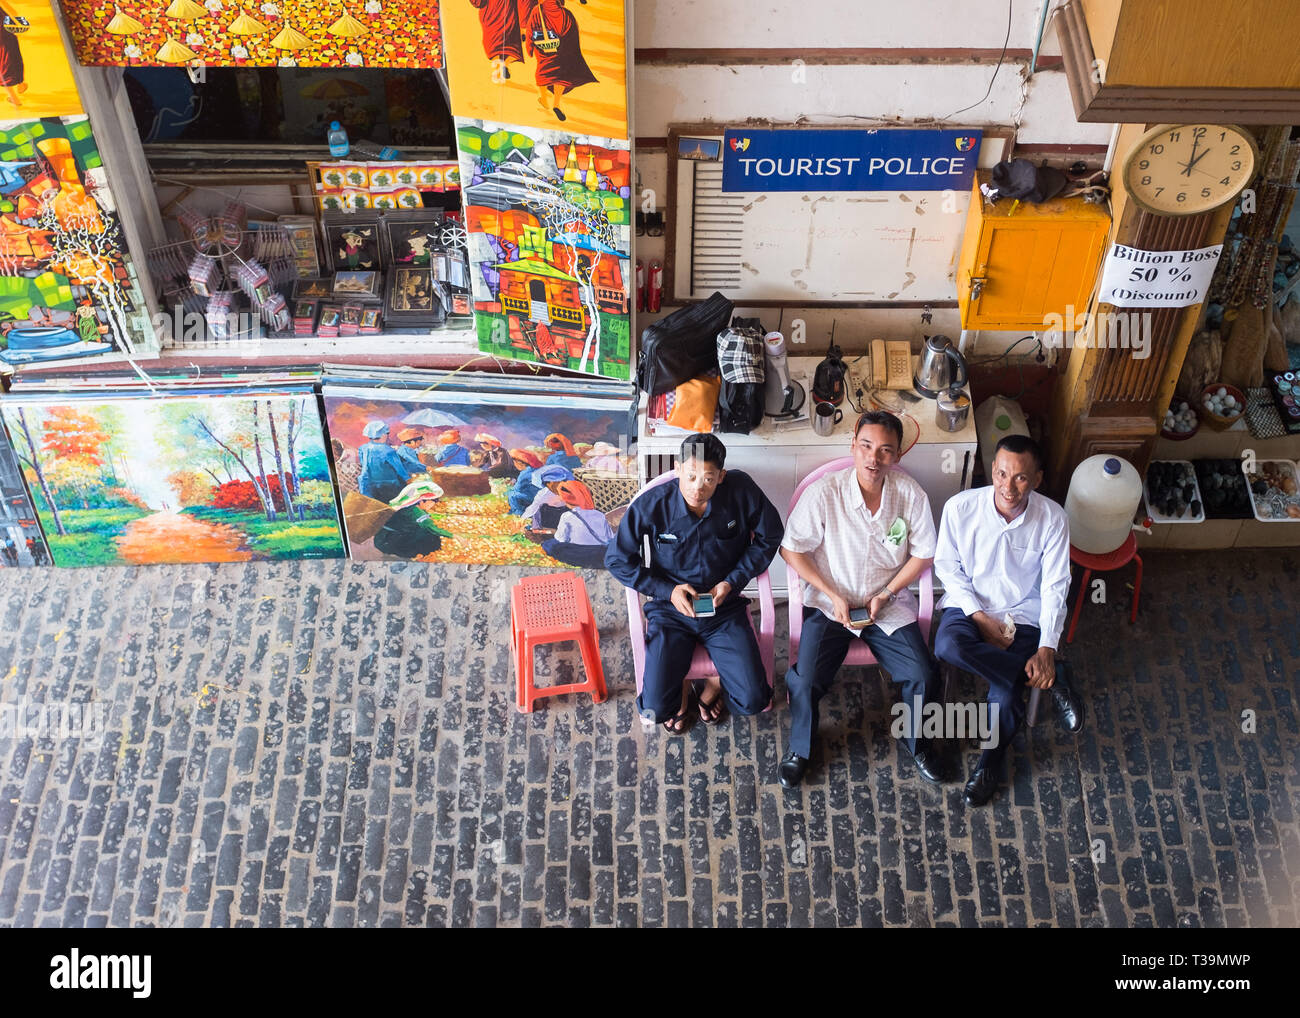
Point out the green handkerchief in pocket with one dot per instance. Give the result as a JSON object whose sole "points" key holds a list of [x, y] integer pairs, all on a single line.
{"points": [[897, 532]]}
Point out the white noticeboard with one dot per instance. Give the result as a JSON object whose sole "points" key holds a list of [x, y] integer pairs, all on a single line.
{"points": [[1131, 278], [837, 246]]}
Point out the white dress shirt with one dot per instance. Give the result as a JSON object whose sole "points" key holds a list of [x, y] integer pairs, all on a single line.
{"points": [[1021, 568], [849, 545]]}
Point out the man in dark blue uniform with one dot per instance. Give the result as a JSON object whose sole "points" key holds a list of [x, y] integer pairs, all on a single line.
{"points": [[710, 533]]}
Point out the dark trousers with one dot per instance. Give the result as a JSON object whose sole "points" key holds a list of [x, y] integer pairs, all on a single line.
{"points": [[824, 644], [670, 644], [959, 642]]}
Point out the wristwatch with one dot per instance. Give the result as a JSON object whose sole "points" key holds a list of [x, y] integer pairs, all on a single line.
{"points": [[892, 596]]}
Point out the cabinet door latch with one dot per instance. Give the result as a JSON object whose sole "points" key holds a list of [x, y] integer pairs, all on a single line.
{"points": [[977, 286]]}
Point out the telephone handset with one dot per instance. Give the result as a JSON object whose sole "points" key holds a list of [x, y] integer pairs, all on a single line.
{"points": [[891, 364]]}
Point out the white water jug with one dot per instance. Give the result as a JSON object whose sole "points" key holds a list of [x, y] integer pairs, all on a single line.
{"points": [[1103, 497]]}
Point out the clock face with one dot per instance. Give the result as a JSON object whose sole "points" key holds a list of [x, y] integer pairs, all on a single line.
{"points": [[1183, 169]]}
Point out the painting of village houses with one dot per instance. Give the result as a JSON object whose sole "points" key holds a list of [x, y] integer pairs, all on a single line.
{"points": [[277, 33], [463, 477], [219, 478], [66, 285], [547, 215]]}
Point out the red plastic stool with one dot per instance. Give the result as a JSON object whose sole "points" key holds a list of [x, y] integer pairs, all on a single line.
{"points": [[1102, 564], [551, 609]]}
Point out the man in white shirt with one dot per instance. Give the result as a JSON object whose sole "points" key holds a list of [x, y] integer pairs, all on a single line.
{"points": [[858, 538], [1003, 557]]}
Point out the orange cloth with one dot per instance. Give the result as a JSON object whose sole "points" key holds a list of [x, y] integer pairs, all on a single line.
{"points": [[527, 458], [449, 437], [576, 494], [697, 403]]}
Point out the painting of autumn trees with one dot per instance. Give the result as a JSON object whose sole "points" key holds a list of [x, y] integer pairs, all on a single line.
{"points": [[178, 479]]}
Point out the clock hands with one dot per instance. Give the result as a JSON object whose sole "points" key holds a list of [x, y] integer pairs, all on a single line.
{"points": [[1191, 163]]}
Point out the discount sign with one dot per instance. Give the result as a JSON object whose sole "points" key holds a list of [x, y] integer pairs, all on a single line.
{"points": [[1156, 279]]}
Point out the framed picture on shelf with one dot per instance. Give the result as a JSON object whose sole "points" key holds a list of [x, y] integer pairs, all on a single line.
{"points": [[362, 285], [411, 298], [312, 289], [412, 239], [352, 241]]}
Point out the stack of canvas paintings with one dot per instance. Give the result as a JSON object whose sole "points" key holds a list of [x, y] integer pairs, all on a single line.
{"points": [[215, 476], [503, 478]]}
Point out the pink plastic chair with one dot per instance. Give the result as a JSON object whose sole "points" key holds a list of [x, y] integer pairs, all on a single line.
{"points": [[859, 652], [701, 664]]}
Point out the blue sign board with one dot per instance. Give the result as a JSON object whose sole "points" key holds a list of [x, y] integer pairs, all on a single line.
{"points": [[880, 160]]}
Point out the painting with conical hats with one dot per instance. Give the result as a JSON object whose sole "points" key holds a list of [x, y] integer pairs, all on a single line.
{"points": [[253, 33]]}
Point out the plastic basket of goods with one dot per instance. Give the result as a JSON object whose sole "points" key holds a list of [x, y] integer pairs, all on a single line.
{"points": [[1222, 405], [1180, 422], [1223, 489], [609, 489], [1274, 492], [1172, 494]]}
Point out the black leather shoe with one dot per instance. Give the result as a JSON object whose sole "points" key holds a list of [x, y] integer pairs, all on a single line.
{"points": [[934, 764], [982, 786], [1069, 708], [790, 773]]}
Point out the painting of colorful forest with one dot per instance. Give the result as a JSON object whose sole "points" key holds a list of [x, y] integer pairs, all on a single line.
{"points": [[440, 480], [276, 33], [547, 214], [211, 479], [545, 63], [66, 288]]}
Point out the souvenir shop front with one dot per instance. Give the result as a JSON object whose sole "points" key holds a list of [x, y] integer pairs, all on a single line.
{"points": [[233, 230]]}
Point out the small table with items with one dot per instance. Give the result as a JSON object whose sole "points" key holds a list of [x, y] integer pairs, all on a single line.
{"points": [[777, 456]]}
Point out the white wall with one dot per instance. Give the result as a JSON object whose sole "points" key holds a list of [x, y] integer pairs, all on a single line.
{"points": [[842, 94]]}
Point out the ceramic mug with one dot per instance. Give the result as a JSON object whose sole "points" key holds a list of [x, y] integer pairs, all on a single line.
{"points": [[825, 417]]}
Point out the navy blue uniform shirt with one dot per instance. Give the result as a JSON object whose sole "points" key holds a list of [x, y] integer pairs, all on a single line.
{"points": [[735, 539]]}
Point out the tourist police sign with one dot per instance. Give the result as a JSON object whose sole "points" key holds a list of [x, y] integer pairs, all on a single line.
{"points": [[884, 160]]}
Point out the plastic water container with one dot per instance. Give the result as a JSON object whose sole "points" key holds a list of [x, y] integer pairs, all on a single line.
{"points": [[338, 139], [995, 419], [1102, 500]]}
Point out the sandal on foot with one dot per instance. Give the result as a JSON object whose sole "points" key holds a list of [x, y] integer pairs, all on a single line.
{"points": [[680, 724], [710, 712]]}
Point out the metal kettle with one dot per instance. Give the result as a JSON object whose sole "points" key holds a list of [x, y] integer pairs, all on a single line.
{"points": [[941, 367]]}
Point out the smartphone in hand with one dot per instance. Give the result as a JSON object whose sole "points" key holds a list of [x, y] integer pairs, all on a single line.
{"points": [[704, 606], [860, 618]]}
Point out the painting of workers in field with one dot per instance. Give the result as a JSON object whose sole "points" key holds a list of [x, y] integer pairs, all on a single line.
{"points": [[477, 482], [211, 479]]}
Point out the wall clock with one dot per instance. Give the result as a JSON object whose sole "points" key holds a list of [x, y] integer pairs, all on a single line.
{"points": [[1184, 169]]}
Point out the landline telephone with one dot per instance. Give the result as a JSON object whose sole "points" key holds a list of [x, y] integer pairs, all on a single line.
{"points": [[891, 364]]}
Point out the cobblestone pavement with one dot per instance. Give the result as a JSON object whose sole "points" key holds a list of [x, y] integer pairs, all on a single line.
{"points": [[336, 744]]}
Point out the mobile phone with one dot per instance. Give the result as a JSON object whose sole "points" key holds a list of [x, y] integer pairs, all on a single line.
{"points": [[704, 606], [859, 618]]}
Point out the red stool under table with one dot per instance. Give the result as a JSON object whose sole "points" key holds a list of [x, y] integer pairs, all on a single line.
{"points": [[551, 609], [1101, 564]]}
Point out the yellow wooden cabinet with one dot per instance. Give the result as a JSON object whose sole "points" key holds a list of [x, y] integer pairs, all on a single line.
{"points": [[1018, 267]]}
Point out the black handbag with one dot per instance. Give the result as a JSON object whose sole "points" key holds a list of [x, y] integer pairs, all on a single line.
{"points": [[682, 345]]}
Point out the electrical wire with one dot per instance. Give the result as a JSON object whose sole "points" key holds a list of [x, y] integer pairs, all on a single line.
{"points": [[1001, 57]]}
